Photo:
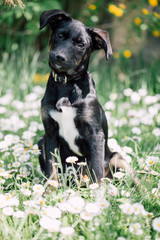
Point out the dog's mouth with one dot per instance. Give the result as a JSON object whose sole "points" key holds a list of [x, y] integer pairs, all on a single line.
{"points": [[58, 67], [66, 68]]}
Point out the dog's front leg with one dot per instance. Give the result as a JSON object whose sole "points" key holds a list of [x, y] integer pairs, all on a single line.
{"points": [[96, 159], [51, 143]]}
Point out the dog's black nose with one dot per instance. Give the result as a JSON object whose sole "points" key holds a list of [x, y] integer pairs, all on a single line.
{"points": [[60, 58]]}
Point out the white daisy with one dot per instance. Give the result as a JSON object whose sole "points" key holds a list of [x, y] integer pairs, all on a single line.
{"points": [[52, 225], [26, 192], [103, 204], [8, 211], [38, 189], [86, 216], [76, 203], [53, 183], [53, 212], [93, 209], [135, 228], [64, 206], [16, 164], [150, 160], [113, 191], [127, 208], [118, 175], [67, 231], [156, 224], [93, 186], [71, 159]]}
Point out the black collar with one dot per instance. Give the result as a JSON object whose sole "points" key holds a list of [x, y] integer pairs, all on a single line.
{"points": [[59, 78], [66, 79]]}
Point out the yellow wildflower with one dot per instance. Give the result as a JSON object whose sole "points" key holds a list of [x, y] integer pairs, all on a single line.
{"points": [[156, 33], [122, 5], [145, 11], [85, 178], [153, 3], [137, 21], [40, 78], [118, 12], [127, 53], [156, 14], [92, 7], [26, 184]]}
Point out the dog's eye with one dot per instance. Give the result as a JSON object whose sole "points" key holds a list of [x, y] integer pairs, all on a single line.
{"points": [[80, 44], [60, 35]]}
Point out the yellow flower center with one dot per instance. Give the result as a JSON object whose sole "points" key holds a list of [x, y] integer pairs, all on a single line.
{"points": [[127, 53], [41, 202], [137, 21], [92, 7], [27, 184], [145, 11], [156, 33], [8, 197]]}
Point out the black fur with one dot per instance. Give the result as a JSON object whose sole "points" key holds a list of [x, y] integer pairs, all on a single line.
{"points": [[71, 45]]}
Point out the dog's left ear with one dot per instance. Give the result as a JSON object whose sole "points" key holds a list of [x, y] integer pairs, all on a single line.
{"points": [[53, 17], [100, 40]]}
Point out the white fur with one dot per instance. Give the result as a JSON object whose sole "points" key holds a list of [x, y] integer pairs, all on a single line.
{"points": [[67, 128]]}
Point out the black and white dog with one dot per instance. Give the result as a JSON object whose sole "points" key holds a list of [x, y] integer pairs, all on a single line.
{"points": [[73, 119]]}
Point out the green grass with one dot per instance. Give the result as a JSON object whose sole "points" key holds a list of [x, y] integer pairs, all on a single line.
{"points": [[18, 183]]}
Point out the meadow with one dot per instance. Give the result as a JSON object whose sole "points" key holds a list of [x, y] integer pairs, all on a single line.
{"points": [[79, 209]]}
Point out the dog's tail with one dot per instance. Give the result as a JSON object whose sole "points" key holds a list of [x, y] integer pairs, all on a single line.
{"points": [[117, 161]]}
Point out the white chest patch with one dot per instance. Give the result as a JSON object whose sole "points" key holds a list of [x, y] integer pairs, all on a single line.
{"points": [[67, 128]]}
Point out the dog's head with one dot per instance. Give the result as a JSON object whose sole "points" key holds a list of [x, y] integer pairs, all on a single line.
{"points": [[71, 42]]}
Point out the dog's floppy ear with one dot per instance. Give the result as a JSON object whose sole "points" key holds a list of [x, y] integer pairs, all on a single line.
{"points": [[100, 40], [52, 17]]}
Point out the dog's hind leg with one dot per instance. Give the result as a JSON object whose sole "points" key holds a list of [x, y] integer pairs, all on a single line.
{"points": [[42, 158], [117, 161]]}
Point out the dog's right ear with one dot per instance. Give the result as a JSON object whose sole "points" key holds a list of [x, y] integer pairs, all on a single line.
{"points": [[52, 17]]}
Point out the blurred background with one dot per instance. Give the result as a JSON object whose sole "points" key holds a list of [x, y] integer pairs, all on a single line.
{"points": [[134, 28]]}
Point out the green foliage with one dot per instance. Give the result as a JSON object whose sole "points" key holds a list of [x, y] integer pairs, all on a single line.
{"points": [[21, 26]]}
